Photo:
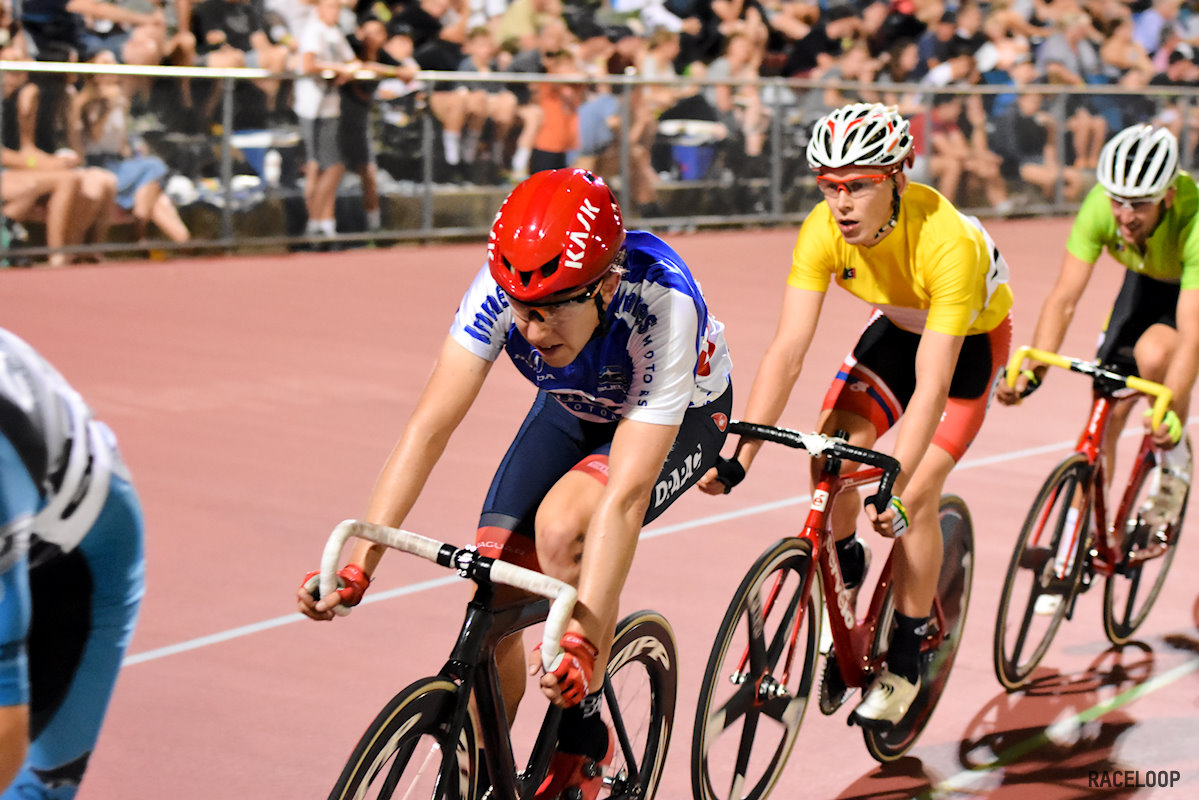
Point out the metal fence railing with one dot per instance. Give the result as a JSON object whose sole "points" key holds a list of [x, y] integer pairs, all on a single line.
{"points": [[236, 198]]}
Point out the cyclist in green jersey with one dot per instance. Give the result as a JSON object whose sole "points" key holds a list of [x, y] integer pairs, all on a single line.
{"points": [[1143, 211]]}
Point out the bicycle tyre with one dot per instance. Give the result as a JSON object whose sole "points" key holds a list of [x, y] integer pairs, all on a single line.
{"points": [[763, 695], [405, 745], [1035, 562], [643, 667], [1121, 614], [953, 590]]}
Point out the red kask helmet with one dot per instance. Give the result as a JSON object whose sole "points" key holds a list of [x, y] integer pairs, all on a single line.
{"points": [[558, 230]]}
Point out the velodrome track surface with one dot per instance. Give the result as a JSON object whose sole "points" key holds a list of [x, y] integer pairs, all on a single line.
{"points": [[256, 398]]}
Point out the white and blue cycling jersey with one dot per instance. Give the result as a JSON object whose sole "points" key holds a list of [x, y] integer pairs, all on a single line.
{"points": [[71, 568], [662, 352]]}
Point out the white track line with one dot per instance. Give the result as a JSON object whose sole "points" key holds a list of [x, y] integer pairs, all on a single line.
{"points": [[654, 532]]}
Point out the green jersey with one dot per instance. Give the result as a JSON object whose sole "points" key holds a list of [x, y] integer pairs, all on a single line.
{"points": [[1171, 254]]}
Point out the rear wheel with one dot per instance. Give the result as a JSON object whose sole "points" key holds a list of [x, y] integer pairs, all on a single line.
{"points": [[953, 592], [641, 692], [410, 751], [758, 678], [1130, 593], [1046, 566]]}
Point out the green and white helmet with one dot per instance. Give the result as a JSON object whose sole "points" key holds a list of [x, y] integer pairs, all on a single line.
{"points": [[860, 134], [1139, 161]]}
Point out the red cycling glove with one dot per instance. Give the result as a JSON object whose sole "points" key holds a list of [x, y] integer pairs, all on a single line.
{"points": [[574, 667], [352, 583]]}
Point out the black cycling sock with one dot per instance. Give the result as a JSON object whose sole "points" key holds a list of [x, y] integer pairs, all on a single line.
{"points": [[851, 558], [903, 657], [583, 730]]}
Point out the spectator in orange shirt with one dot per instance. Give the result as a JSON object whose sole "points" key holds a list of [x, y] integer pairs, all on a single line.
{"points": [[559, 103]]}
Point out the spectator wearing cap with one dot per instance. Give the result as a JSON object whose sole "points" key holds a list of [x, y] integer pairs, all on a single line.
{"points": [[1181, 70], [552, 37], [815, 53], [935, 43]]}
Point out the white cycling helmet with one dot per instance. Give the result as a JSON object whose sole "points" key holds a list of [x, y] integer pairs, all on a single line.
{"points": [[860, 134], [1139, 161]]}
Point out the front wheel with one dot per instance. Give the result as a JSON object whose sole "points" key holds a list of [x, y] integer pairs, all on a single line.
{"points": [[1044, 573], [641, 692], [410, 751], [953, 594], [758, 678], [1130, 593]]}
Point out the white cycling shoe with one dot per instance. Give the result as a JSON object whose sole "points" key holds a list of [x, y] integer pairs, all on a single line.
{"points": [[887, 701]]}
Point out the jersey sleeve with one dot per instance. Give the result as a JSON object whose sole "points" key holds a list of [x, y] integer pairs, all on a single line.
{"points": [[483, 320], [956, 287], [1086, 236], [813, 261], [1190, 255], [664, 356]]}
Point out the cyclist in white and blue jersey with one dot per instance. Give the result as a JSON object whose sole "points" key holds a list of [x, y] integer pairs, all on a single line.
{"points": [[71, 576], [634, 394]]}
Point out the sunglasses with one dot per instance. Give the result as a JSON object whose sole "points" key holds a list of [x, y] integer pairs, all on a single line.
{"points": [[1138, 204], [856, 188], [553, 311]]}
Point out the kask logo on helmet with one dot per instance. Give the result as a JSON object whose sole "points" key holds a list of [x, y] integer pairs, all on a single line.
{"points": [[585, 215]]}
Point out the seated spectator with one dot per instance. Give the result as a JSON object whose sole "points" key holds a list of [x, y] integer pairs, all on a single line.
{"points": [[31, 187], [740, 108], [855, 65], [901, 66], [552, 37], [524, 20], [99, 130], [56, 28], [600, 125], [1152, 25], [485, 102], [1025, 137], [933, 46], [658, 63], [956, 158], [231, 34], [93, 188], [1181, 70], [558, 135], [1070, 58], [814, 54]]}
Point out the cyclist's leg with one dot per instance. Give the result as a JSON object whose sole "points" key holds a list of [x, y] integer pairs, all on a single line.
{"points": [[866, 398], [550, 441]]}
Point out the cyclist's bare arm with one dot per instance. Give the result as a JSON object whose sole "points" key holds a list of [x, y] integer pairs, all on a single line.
{"points": [[1184, 365], [778, 372], [639, 450], [451, 389], [1056, 314]]}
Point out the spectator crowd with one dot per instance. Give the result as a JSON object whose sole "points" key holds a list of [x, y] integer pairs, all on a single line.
{"points": [[72, 163]]}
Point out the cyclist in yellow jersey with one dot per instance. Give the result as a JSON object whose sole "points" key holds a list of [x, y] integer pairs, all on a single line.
{"points": [[938, 337], [1143, 211]]}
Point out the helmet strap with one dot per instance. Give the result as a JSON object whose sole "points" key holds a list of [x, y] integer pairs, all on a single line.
{"points": [[891, 223]]}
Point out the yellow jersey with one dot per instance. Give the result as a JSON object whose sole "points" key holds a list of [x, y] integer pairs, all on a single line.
{"points": [[937, 270]]}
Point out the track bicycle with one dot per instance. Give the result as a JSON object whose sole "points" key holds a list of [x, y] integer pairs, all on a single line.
{"points": [[1067, 539], [763, 663], [432, 741]]}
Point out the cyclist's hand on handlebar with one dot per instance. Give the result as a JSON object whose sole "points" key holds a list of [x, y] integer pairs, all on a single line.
{"points": [[721, 478], [352, 583], [1169, 433], [892, 522], [566, 684], [1027, 382]]}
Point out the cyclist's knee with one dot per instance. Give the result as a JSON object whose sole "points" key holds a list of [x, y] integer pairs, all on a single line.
{"points": [[560, 545]]}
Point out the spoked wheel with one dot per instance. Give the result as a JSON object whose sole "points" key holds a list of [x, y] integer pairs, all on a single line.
{"points": [[410, 752], [1130, 593], [641, 691], [1043, 575], [758, 678], [953, 592]]}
